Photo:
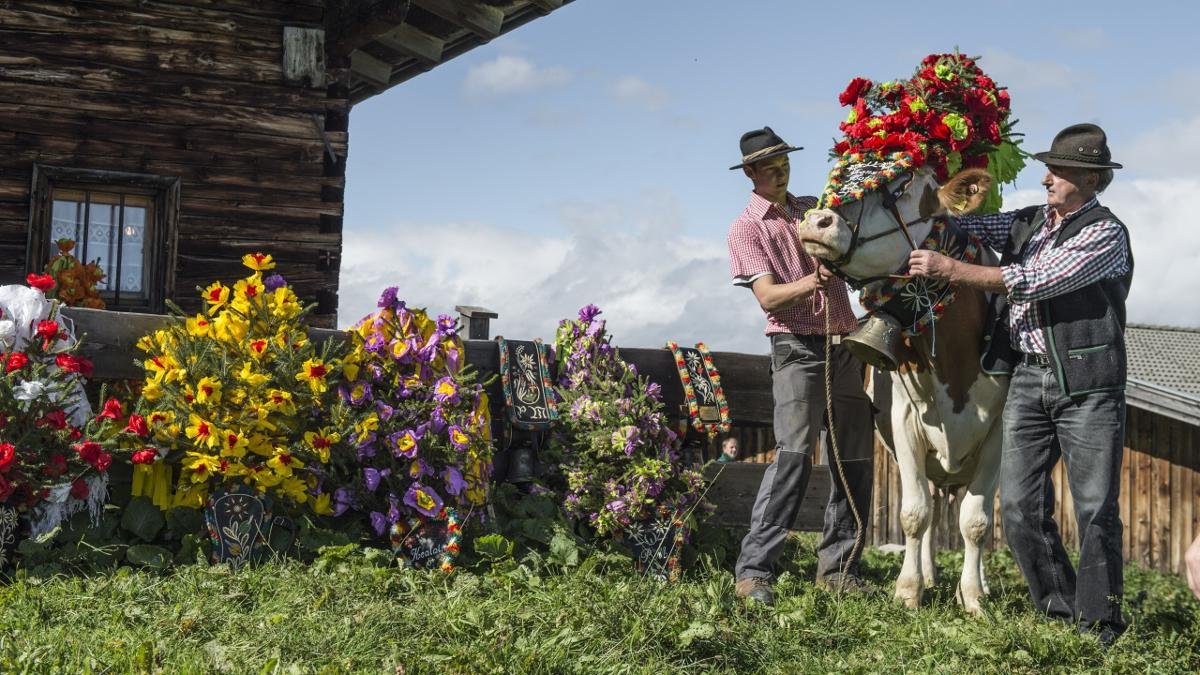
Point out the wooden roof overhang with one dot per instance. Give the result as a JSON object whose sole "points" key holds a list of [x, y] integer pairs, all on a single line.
{"points": [[390, 41]]}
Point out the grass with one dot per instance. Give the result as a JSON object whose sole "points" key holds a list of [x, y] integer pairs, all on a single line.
{"points": [[353, 610]]}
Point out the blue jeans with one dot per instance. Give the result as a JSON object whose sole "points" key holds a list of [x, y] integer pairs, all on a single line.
{"points": [[798, 386], [1040, 425]]}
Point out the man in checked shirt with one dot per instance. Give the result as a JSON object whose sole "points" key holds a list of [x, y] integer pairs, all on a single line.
{"points": [[1065, 270], [798, 296]]}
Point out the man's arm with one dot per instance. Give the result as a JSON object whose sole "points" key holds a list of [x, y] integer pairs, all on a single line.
{"points": [[1097, 252], [773, 297], [992, 229], [922, 263]]}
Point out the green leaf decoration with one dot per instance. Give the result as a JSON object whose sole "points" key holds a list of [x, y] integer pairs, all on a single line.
{"points": [[493, 547], [143, 519]]}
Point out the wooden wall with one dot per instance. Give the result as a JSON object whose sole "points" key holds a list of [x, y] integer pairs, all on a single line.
{"points": [[1160, 495], [185, 88]]}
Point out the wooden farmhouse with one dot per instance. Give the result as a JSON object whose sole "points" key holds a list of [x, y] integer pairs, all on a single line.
{"points": [[170, 137]]}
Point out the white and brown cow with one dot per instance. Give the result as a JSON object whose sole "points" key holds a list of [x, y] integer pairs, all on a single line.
{"points": [[938, 412]]}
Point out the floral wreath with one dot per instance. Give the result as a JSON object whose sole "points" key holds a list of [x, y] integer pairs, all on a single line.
{"points": [[689, 392], [672, 566], [949, 115], [403, 529]]}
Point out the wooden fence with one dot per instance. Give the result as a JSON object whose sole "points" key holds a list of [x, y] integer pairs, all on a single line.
{"points": [[1160, 488]]}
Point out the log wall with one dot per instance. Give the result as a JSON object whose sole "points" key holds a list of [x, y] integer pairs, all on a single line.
{"points": [[193, 89]]}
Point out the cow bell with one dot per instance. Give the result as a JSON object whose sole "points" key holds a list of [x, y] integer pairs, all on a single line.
{"points": [[875, 342]]}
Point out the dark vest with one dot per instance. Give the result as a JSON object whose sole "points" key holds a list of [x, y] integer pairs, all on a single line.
{"points": [[1084, 330]]}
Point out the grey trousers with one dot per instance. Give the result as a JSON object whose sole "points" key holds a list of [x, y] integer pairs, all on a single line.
{"points": [[798, 384]]}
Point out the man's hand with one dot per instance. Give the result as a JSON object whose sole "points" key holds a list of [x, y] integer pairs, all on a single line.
{"points": [[821, 276], [1191, 560], [922, 263]]}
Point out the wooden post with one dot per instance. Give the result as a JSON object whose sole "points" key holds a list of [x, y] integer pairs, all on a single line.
{"points": [[476, 319]]}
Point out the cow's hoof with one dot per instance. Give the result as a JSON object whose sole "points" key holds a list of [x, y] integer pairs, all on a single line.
{"points": [[909, 600], [974, 610]]}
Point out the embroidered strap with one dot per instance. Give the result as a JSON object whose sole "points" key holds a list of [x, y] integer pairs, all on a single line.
{"points": [[917, 302], [707, 408], [525, 378]]}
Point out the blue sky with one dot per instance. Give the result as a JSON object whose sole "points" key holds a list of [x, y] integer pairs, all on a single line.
{"points": [[583, 157]]}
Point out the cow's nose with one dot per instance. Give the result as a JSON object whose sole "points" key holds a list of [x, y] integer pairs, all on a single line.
{"points": [[823, 220]]}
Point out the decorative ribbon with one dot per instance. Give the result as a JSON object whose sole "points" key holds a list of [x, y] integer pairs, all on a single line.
{"points": [[407, 528], [525, 379], [707, 407]]}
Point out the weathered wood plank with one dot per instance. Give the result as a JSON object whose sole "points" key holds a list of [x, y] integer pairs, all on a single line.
{"points": [[415, 43], [1143, 513], [736, 486], [1161, 495], [376, 71], [481, 19], [304, 56], [354, 23]]}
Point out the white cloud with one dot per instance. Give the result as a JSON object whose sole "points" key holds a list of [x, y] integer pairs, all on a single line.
{"points": [[512, 74], [652, 282], [1167, 151], [633, 89]]}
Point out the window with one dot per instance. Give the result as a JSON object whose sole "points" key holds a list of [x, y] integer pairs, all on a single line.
{"points": [[125, 222]]}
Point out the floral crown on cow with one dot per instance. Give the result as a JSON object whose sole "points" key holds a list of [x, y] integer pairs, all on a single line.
{"points": [[949, 115]]}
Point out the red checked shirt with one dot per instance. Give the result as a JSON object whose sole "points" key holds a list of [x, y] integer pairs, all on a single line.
{"points": [[764, 240], [1097, 252]]}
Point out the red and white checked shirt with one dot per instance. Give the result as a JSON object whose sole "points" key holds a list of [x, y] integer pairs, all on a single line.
{"points": [[764, 240], [1097, 252]]}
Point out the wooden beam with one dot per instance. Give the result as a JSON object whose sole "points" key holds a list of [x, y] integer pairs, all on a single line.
{"points": [[482, 20], [413, 42], [371, 69], [546, 5], [354, 23]]}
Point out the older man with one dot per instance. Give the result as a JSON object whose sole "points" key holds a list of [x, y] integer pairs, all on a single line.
{"points": [[1064, 273], [800, 299]]}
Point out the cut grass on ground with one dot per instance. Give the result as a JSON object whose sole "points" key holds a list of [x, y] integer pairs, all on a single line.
{"points": [[353, 610]]}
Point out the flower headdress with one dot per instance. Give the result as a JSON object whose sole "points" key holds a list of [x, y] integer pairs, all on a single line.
{"points": [[948, 115]]}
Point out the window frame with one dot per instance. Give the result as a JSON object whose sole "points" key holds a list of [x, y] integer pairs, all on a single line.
{"points": [[161, 246]]}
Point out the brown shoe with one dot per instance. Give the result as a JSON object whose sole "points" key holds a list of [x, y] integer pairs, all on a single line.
{"points": [[756, 588], [848, 583]]}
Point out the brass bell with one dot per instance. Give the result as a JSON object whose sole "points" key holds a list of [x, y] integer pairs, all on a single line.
{"points": [[875, 342]]}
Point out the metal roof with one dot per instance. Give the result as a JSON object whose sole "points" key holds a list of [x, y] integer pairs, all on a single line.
{"points": [[1164, 370]]}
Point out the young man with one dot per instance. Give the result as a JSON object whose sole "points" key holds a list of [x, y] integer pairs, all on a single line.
{"points": [[1065, 269], [796, 294]]}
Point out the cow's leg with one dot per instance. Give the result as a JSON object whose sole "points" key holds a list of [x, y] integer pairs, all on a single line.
{"points": [[928, 567], [975, 521], [914, 508]]}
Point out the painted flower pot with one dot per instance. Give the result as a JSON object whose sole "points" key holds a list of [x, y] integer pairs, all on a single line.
{"points": [[656, 545], [9, 529], [427, 543], [238, 524]]}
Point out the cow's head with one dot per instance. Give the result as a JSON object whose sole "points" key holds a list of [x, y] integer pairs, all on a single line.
{"points": [[862, 236]]}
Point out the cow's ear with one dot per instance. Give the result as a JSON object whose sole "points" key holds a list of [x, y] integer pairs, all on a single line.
{"points": [[965, 191]]}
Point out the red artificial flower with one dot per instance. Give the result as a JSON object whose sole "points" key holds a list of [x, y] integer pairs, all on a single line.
{"points": [[79, 489], [6, 489], [55, 418], [974, 161], [75, 434], [47, 329], [42, 282], [137, 425], [56, 467], [112, 410], [74, 364], [88, 451], [857, 88], [145, 456], [985, 82], [15, 361], [7, 453], [103, 461]]}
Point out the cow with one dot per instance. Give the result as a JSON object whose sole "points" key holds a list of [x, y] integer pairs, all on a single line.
{"points": [[938, 412]]}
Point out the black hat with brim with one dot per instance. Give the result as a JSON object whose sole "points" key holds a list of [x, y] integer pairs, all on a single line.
{"points": [[762, 144], [1082, 146]]}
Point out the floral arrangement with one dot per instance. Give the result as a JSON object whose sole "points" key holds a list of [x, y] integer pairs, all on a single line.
{"points": [[948, 115], [75, 281], [619, 454], [235, 395], [54, 455], [421, 434]]}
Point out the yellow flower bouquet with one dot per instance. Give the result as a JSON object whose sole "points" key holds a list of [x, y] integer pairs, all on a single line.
{"points": [[237, 395]]}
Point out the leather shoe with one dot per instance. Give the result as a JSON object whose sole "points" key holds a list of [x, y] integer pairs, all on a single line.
{"points": [[756, 588]]}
